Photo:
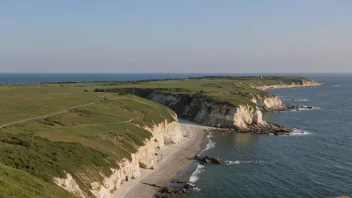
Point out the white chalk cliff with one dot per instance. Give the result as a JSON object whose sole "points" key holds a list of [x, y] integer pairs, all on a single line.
{"points": [[162, 134], [268, 101], [199, 109]]}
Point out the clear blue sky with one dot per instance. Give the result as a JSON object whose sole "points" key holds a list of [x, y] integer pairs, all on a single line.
{"points": [[176, 36]]}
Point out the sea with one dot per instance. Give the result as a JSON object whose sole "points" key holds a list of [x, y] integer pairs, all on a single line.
{"points": [[315, 161]]}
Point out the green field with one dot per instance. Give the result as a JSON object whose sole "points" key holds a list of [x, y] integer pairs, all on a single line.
{"points": [[48, 130], [218, 89], [81, 140]]}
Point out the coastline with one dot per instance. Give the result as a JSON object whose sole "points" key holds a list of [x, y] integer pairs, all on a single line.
{"points": [[175, 159], [293, 86]]}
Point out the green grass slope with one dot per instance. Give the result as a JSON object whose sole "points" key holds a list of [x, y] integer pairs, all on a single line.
{"points": [[15, 183], [82, 140]]}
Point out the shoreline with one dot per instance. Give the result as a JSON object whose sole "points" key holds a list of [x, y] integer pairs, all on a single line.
{"points": [[274, 87], [175, 159]]}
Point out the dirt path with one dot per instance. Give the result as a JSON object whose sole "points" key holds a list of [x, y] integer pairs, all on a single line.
{"points": [[45, 116], [106, 123]]}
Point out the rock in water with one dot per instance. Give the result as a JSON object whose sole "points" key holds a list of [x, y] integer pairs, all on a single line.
{"points": [[212, 160], [189, 186]]}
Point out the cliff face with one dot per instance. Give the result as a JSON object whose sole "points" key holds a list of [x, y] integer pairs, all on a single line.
{"points": [[302, 83], [244, 118], [162, 134], [200, 109], [268, 103]]}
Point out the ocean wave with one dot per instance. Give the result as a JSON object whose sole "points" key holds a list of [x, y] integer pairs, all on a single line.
{"points": [[286, 99], [195, 175], [302, 100], [210, 144], [336, 85], [298, 132], [200, 168], [306, 109], [241, 162]]}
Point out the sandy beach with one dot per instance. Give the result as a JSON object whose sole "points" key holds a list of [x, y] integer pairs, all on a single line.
{"points": [[175, 158]]}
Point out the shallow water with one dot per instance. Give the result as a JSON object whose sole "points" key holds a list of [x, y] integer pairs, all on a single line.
{"points": [[316, 161]]}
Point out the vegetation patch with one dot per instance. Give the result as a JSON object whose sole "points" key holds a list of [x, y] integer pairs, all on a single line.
{"points": [[47, 159], [16, 183]]}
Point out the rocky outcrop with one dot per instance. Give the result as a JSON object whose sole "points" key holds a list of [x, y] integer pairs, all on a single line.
{"points": [[301, 83], [167, 192], [269, 128], [273, 103], [211, 160], [162, 134], [269, 103]]}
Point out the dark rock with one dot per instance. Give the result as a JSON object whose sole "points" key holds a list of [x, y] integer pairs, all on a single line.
{"points": [[189, 186], [177, 181], [265, 129], [211, 160], [167, 190]]}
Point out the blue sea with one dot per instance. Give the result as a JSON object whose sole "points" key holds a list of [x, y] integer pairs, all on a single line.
{"points": [[315, 163]]}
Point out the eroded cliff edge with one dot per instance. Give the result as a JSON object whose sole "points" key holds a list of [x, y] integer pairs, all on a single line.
{"points": [[204, 110], [162, 134]]}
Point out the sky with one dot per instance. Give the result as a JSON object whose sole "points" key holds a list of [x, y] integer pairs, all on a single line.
{"points": [[207, 36]]}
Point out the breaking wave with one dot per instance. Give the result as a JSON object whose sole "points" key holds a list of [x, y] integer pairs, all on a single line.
{"points": [[302, 100], [210, 144], [195, 175], [241, 162], [200, 168], [299, 132]]}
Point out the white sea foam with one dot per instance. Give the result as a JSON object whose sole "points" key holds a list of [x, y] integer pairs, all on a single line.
{"points": [[196, 174], [210, 144], [305, 109], [241, 162], [297, 132], [302, 100], [286, 99], [200, 168]]}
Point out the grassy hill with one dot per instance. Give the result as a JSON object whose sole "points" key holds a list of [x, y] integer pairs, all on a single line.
{"points": [[15, 183], [81, 135]]}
